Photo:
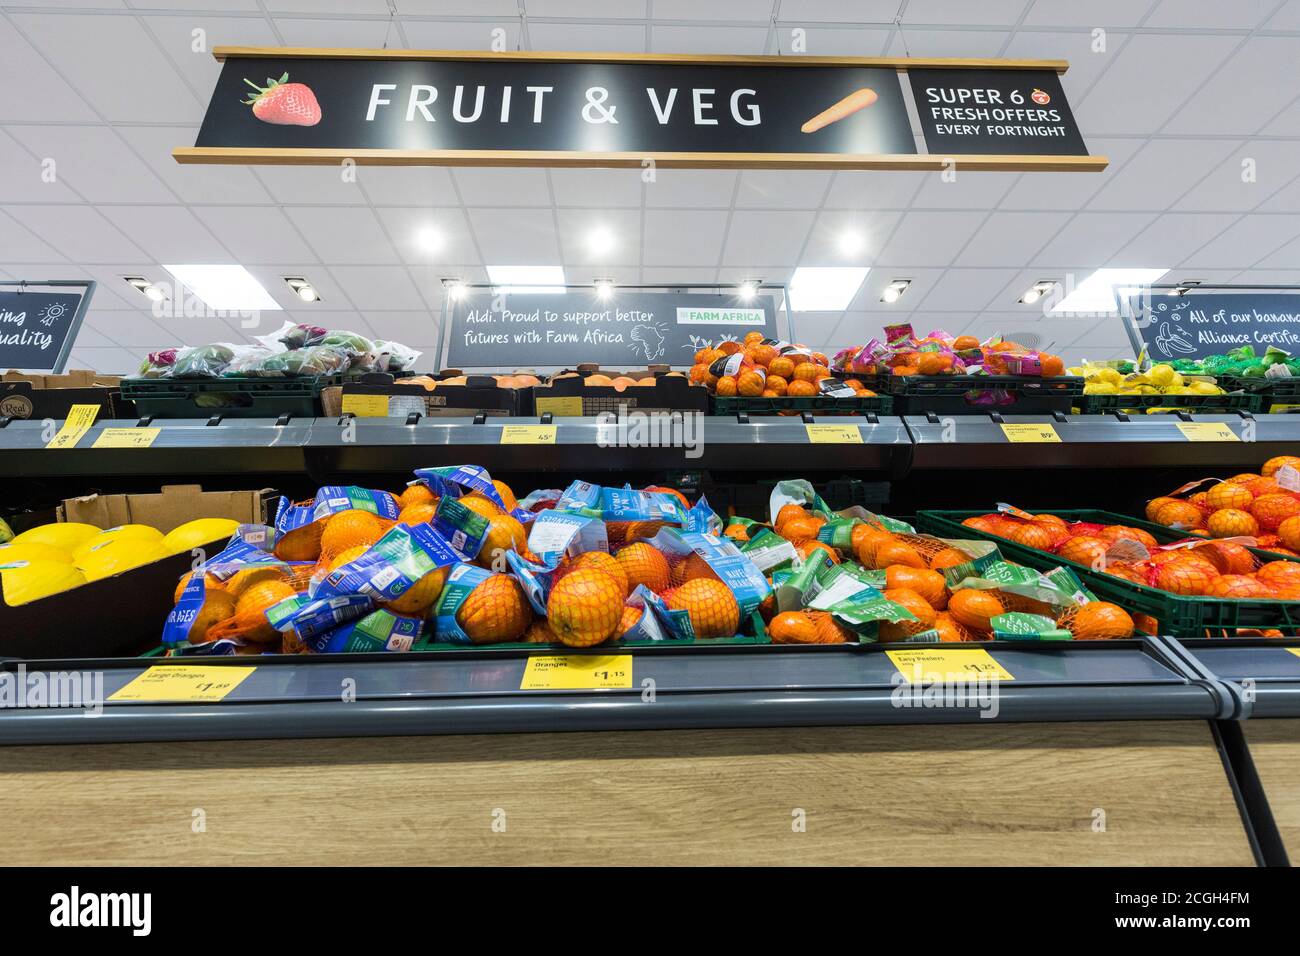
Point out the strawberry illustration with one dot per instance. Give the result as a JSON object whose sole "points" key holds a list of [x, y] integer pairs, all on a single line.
{"points": [[284, 103]]}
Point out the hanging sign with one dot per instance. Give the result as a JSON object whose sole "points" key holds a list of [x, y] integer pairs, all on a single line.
{"points": [[39, 322], [1201, 324], [577, 109], [631, 329]]}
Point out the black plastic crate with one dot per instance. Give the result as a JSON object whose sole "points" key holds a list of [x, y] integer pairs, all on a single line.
{"points": [[1204, 404], [230, 397], [1274, 394], [980, 394], [793, 405]]}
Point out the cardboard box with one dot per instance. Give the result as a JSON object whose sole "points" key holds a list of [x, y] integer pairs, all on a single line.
{"points": [[570, 395], [123, 615], [51, 396]]}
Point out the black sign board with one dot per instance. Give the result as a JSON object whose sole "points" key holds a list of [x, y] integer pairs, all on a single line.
{"points": [[630, 329], [1197, 325], [38, 325], [999, 112]]}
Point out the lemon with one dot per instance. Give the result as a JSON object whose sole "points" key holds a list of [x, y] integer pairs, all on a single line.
{"points": [[134, 532], [37, 579], [114, 557], [1099, 388], [1110, 375], [6, 532], [1161, 374], [65, 535], [33, 551], [198, 532]]}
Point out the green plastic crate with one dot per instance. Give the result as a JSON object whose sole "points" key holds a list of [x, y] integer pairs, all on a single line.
{"points": [[229, 397], [981, 394], [1252, 402], [1170, 615], [1274, 394], [823, 404]]}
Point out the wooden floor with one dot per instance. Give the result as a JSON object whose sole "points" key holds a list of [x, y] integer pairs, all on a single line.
{"points": [[1275, 748], [983, 794]]}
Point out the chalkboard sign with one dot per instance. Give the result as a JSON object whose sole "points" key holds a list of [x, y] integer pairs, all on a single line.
{"points": [[38, 326], [1197, 325], [630, 329]]}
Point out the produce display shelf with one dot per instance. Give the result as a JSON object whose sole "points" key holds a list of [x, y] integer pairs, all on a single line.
{"points": [[1264, 674], [726, 686]]}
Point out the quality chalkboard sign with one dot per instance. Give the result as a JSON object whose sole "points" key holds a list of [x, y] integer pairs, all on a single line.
{"points": [[632, 328], [39, 322], [1195, 326]]}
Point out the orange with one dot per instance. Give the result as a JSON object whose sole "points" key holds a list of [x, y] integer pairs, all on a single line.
{"points": [[1098, 621], [1244, 478], [631, 617], [301, 544], [929, 584], [250, 610], [1051, 365], [602, 561], [1155, 505], [1227, 556], [1271, 510], [1289, 532], [421, 595], [934, 363], [539, 632], [763, 354], [343, 557], [920, 608], [801, 389], [829, 630], [726, 386], [753, 338], [1280, 574], [506, 494], [750, 383], [736, 532], [480, 505], [789, 513], [698, 374], [729, 348], [801, 529], [1178, 514], [868, 543], [504, 533], [807, 372], [1231, 522], [495, 611], [782, 366], [1184, 577], [1240, 586], [347, 529], [793, 627], [777, 384], [1273, 464], [1228, 495], [422, 512], [949, 631], [898, 552], [712, 607], [964, 342], [644, 564], [217, 606], [707, 355], [209, 585], [415, 494], [947, 558], [1118, 532], [1030, 535], [1263, 486], [807, 549], [585, 607], [974, 609], [690, 568]]}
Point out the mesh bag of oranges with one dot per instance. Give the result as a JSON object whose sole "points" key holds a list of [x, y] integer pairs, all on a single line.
{"points": [[762, 367], [905, 353], [1263, 506], [303, 529]]}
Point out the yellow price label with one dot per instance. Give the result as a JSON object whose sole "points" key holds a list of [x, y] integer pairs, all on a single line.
{"points": [[1025, 432], [1294, 650], [834, 434], [78, 422], [528, 434], [1207, 431], [184, 682], [567, 407], [126, 437], [366, 406], [577, 672], [947, 664]]}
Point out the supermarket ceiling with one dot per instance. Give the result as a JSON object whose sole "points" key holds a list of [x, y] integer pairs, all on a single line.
{"points": [[1183, 92]]}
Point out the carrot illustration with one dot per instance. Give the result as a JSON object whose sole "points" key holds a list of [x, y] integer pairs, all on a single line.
{"points": [[858, 99]]}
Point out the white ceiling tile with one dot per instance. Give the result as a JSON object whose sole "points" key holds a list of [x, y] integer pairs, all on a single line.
{"points": [[244, 6], [19, 245], [1070, 190], [1246, 242], [930, 238], [488, 186], [139, 85], [1253, 69], [1000, 12], [30, 89], [1228, 189], [967, 190], [135, 329], [366, 34], [372, 7], [691, 188], [965, 290], [378, 288], [1093, 237], [614, 37], [516, 237], [1011, 238], [454, 8], [112, 293], [1284, 259], [913, 42], [873, 287], [408, 185], [22, 176], [588, 9], [1237, 15], [168, 234], [344, 236], [814, 328], [94, 162], [684, 237], [1159, 173], [1107, 14], [1286, 123], [1171, 238], [1155, 65], [88, 336], [597, 188], [78, 232], [107, 361], [679, 275], [1287, 199], [407, 327], [623, 225], [429, 236], [461, 35], [868, 232], [827, 11], [782, 188], [258, 234], [306, 185], [873, 189], [193, 183], [1286, 18], [1077, 48], [332, 296], [757, 237], [176, 37], [702, 39], [838, 41]]}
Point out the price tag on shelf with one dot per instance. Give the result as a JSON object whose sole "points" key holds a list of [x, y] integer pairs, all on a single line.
{"points": [[946, 664], [834, 434], [528, 434], [1207, 431], [1027, 432], [78, 422], [184, 682], [1294, 650], [577, 672], [366, 406], [567, 407], [126, 437]]}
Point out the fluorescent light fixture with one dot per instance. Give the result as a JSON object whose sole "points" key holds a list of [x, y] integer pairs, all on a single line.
{"points": [[825, 288], [1100, 292], [747, 289], [1038, 290], [525, 279], [894, 291], [302, 288], [225, 288], [429, 239], [600, 240], [851, 242], [1184, 287], [455, 288], [154, 293], [604, 288]]}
